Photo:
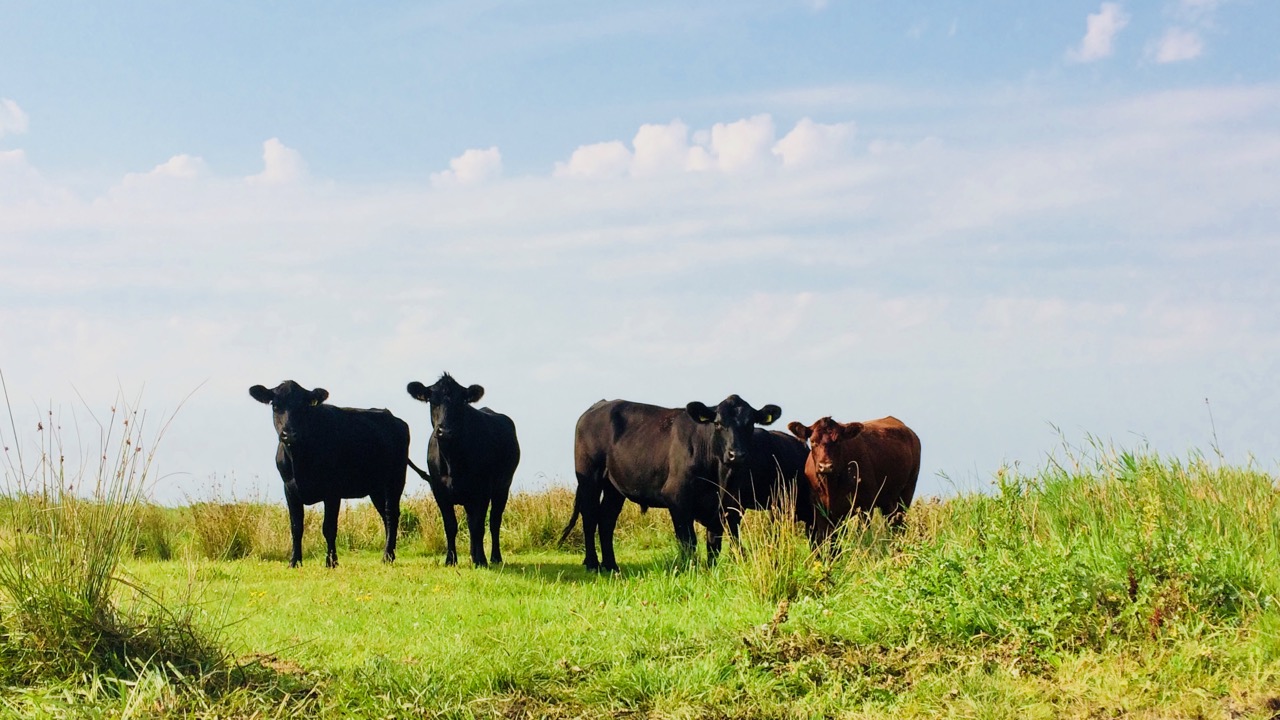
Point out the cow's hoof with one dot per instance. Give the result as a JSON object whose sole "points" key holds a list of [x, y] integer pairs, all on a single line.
{"points": [[295, 563], [611, 568], [479, 562], [331, 563], [389, 558]]}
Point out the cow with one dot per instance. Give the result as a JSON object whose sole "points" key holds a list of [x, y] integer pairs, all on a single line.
{"points": [[858, 467], [328, 453], [471, 458], [679, 459], [777, 466]]}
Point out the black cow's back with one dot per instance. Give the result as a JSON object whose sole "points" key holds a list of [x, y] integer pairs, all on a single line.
{"points": [[777, 458], [644, 450], [347, 453]]}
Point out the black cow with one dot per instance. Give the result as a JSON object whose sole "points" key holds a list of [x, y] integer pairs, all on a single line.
{"points": [[328, 453], [679, 459], [777, 463], [471, 459]]}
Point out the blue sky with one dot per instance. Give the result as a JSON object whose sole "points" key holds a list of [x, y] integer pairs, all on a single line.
{"points": [[985, 218]]}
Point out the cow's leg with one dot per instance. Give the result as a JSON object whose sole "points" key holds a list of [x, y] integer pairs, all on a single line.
{"points": [[390, 512], [330, 528], [715, 533], [611, 502], [714, 517], [450, 517], [821, 533], [475, 526], [588, 505], [682, 521], [295, 527], [733, 518], [495, 525]]}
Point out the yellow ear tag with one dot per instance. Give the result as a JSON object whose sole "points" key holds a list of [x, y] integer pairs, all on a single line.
{"points": [[315, 403]]}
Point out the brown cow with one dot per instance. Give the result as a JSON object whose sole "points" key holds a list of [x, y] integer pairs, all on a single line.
{"points": [[859, 467]]}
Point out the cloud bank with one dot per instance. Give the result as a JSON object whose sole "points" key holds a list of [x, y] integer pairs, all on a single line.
{"points": [[741, 146], [977, 285]]}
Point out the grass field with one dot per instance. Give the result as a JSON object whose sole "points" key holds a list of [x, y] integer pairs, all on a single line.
{"points": [[1104, 585]]}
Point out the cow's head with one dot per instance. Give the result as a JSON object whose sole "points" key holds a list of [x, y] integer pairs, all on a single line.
{"points": [[290, 404], [447, 399], [733, 423], [824, 463]]}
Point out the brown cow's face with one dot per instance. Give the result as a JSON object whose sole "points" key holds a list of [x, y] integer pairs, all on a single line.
{"points": [[447, 398], [825, 465], [290, 405]]}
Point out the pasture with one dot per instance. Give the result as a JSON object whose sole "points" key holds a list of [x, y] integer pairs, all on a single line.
{"points": [[1106, 584]]}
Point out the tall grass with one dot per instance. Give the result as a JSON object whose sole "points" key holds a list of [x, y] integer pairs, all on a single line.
{"points": [[222, 528], [1104, 584], [1103, 550], [66, 530], [774, 559]]}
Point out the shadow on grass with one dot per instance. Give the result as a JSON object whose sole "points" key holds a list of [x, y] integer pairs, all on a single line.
{"points": [[564, 570]]}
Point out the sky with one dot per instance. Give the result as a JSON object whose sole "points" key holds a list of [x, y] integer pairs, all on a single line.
{"points": [[1018, 227]]}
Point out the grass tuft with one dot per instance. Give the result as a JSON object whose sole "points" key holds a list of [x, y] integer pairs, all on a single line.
{"points": [[65, 534]]}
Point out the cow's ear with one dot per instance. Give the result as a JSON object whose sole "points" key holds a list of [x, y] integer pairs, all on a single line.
{"points": [[318, 396], [418, 391], [800, 430], [767, 414], [261, 394], [699, 412], [474, 393], [849, 431]]}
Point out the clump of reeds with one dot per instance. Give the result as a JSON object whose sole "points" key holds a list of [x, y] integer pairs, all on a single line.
{"points": [[1103, 549], [65, 531], [773, 557]]}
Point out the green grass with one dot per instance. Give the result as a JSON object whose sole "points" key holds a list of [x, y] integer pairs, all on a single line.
{"points": [[1105, 585]]}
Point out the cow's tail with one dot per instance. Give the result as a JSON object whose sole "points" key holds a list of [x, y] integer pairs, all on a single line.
{"points": [[421, 473], [572, 521]]}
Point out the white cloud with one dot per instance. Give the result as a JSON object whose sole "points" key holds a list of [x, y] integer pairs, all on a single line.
{"points": [[13, 162], [739, 146], [22, 185], [179, 167], [944, 270], [13, 121], [661, 149], [606, 159], [1101, 30], [472, 167], [1176, 45], [280, 164], [742, 145], [810, 143]]}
